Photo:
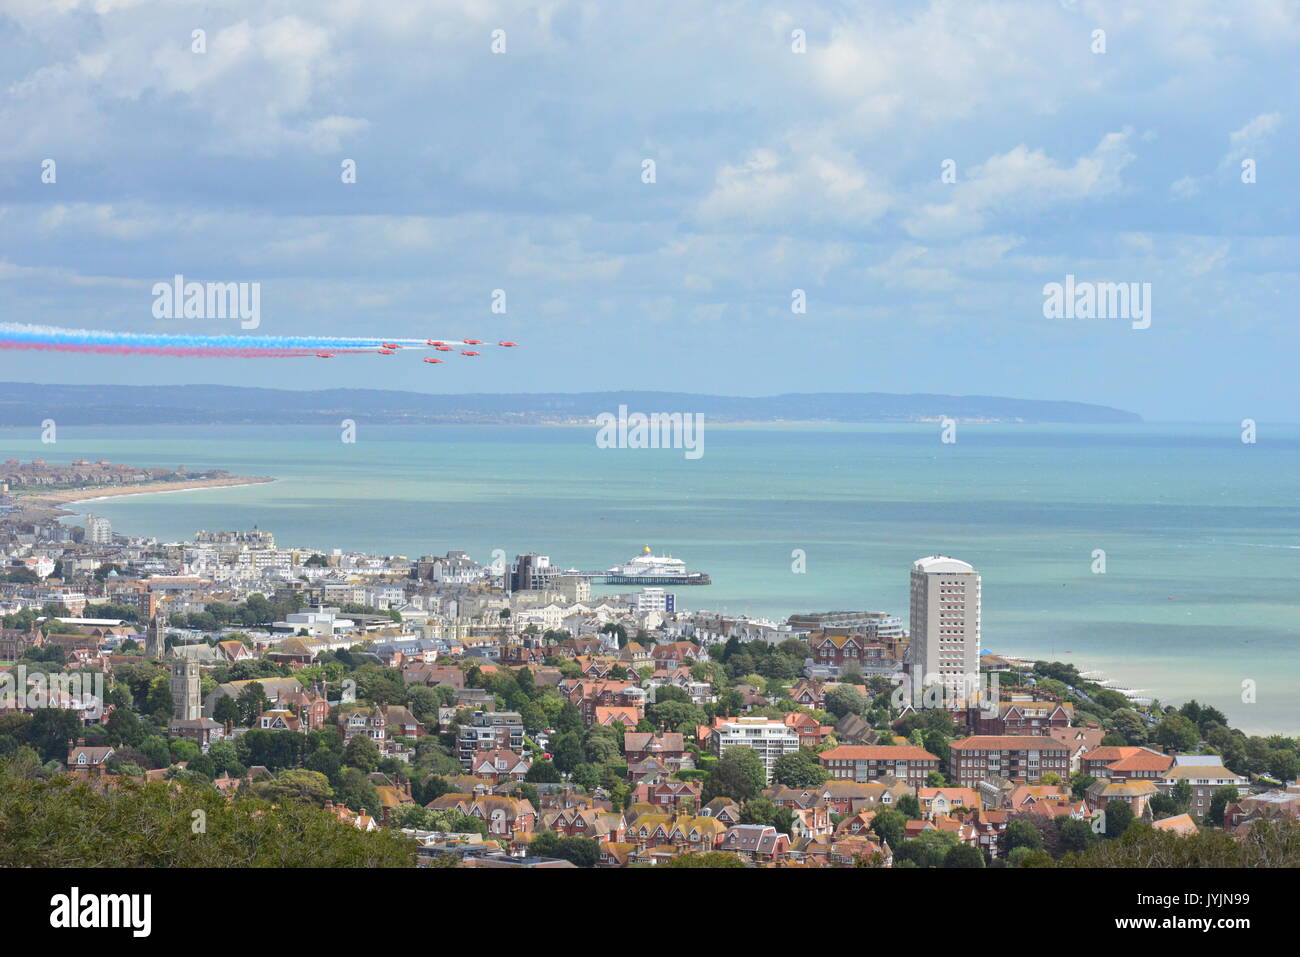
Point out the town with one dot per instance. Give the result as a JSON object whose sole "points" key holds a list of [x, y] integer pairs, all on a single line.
{"points": [[502, 715]]}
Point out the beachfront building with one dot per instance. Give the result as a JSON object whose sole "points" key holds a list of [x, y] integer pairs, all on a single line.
{"points": [[945, 623]]}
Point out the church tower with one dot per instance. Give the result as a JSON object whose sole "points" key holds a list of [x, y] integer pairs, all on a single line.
{"points": [[184, 684], [156, 641]]}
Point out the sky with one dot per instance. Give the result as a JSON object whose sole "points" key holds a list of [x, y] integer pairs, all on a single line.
{"points": [[915, 172]]}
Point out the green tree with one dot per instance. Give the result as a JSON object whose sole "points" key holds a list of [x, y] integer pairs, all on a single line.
{"points": [[1177, 732], [799, 769], [152, 825], [1022, 833], [1118, 816], [889, 825], [842, 700], [1219, 802], [963, 855], [1075, 835], [739, 774], [362, 753], [300, 785]]}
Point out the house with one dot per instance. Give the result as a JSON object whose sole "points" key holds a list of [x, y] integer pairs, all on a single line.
{"points": [[990, 826], [365, 720], [812, 821], [1079, 740], [847, 851], [499, 765], [504, 816], [1022, 716], [685, 833], [849, 797], [272, 688], [592, 823], [811, 732], [674, 795], [1096, 763], [851, 762], [856, 825], [279, 720], [312, 709], [1144, 763], [606, 716], [835, 652], [945, 800], [676, 654], [854, 729], [755, 842], [400, 723], [202, 731], [615, 854], [1181, 824], [669, 747], [723, 809], [83, 758], [1270, 805], [234, 651], [808, 693], [1136, 793]]}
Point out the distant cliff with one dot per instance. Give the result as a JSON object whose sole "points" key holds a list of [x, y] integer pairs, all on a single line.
{"points": [[29, 403]]}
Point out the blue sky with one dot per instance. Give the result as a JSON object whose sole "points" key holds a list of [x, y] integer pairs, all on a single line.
{"points": [[775, 171]]}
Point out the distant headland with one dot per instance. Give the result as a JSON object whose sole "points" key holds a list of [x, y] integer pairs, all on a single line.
{"points": [[27, 403]]}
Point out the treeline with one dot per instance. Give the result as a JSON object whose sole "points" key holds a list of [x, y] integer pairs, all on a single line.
{"points": [[62, 821]]}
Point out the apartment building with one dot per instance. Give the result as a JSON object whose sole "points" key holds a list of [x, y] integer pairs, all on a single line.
{"points": [[1019, 758], [850, 762], [770, 739], [945, 623], [1205, 773]]}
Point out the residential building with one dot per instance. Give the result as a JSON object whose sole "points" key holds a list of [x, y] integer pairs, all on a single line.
{"points": [[769, 739], [945, 624], [866, 762], [1017, 758]]}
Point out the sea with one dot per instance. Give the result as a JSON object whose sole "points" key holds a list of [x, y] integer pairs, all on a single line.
{"points": [[1164, 558]]}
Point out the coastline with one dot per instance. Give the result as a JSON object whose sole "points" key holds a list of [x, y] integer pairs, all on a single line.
{"points": [[51, 504]]}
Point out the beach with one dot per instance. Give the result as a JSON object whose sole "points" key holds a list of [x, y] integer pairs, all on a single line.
{"points": [[45, 505]]}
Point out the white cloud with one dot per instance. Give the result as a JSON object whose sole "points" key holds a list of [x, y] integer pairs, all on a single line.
{"points": [[1023, 182]]}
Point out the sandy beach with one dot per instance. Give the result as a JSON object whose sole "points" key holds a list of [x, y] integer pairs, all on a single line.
{"points": [[40, 506], [64, 496]]}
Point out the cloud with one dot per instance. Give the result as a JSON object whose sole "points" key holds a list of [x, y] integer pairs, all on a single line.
{"points": [[1024, 182], [802, 182]]}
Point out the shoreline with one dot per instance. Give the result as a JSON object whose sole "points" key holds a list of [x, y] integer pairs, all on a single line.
{"points": [[38, 505]]}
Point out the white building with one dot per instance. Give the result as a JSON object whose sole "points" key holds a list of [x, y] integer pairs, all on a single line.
{"points": [[945, 623], [770, 739], [99, 531]]}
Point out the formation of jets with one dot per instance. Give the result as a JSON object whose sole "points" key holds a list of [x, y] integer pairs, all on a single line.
{"points": [[391, 348], [28, 336]]}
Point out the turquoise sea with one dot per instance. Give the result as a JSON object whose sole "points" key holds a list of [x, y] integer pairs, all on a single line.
{"points": [[1201, 533]]}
